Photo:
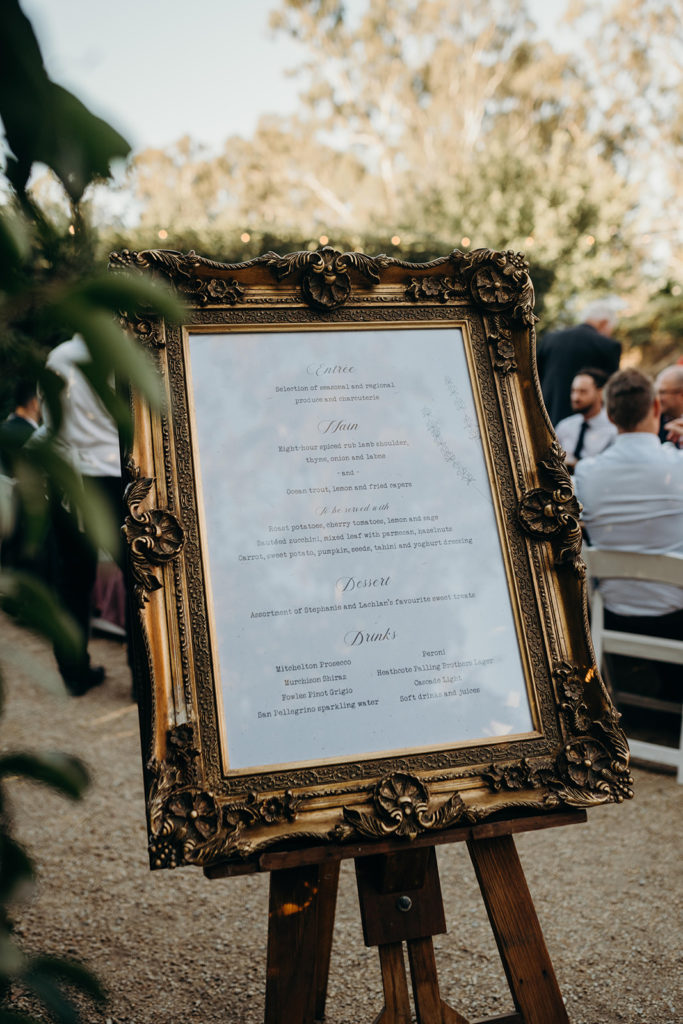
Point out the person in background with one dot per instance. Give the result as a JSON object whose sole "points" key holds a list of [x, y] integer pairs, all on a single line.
{"points": [[20, 424], [589, 431], [15, 431], [632, 497], [561, 354], [674, 429], [88, 439], [669, 388]]}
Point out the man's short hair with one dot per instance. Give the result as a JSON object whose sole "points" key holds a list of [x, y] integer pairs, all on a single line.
{"points": [[24, 391], [607, 309], [675, 371], [600, 378], [629, 395]]}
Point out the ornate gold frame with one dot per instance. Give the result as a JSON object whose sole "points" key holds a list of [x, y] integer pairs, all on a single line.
{"points": [[579, 757]]}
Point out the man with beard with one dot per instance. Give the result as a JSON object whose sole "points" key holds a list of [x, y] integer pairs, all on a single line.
{"points": [[588, 431]]}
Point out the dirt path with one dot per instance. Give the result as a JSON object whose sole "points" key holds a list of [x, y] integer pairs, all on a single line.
{"points": [[172, 947]]}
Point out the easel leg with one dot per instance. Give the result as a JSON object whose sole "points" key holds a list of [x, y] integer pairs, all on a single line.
{"points": [[518, 933], [328, 883], [429, 1005], [300, 922], [396, 1003], [400, 901]]}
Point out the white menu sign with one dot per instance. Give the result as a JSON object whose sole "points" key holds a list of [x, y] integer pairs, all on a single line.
{"points": [[360, 598]]}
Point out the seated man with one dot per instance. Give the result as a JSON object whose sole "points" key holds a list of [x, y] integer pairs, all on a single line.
{"points": [[632, 497], [588, 431]]}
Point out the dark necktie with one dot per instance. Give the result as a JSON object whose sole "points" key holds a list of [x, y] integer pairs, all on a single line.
{"points": [[580, 440]]}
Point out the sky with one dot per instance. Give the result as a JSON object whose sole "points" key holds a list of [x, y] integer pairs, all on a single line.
{"points": [[161, 69]]}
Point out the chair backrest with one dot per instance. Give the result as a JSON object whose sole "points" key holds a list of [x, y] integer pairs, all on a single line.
{"points": [[634, 565], [631, 565]]}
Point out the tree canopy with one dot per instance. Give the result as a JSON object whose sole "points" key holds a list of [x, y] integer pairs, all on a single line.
{"points": [[446, 125]]}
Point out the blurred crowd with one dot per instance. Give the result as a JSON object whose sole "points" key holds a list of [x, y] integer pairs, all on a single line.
{"points": [[622, 434]]}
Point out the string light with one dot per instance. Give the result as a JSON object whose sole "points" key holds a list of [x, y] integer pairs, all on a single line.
{"points": [[245, 237], [465, 241], [163, 234], [72, 229], [529, 241], [396, 240], [323, 239]]}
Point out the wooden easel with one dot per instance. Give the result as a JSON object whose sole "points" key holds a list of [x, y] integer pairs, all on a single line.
{"points": [[400, 901]]}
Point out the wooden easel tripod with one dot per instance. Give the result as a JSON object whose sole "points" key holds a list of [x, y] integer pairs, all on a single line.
{"points": [[400, 901]]}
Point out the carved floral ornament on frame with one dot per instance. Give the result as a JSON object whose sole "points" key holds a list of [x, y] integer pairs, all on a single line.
{"points": [[575, 755]]}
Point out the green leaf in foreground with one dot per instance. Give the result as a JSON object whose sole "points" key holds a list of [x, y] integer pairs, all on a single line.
{"points": [[25, 597], [108, 343], [71, 973], [44, 122], [62, 772], [93, 508], [16, 872], [133, 293]]}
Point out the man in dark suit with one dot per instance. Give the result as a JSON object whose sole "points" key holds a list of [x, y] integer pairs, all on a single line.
{"points": [[14, 433], [561, 354], [19, 425]]}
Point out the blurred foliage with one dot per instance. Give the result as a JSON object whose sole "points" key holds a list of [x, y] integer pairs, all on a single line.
{"points": [[45, 979], [50, 288], [653, 336]]}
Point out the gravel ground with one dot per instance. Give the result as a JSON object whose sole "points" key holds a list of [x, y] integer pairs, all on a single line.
{"points": [[173, 947]]}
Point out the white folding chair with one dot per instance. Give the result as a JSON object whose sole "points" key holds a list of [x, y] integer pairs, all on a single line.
{"points": [[634, 565]]}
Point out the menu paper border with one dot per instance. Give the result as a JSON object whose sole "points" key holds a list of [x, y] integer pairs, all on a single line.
{"points": [[438, 682], [198, 661]]}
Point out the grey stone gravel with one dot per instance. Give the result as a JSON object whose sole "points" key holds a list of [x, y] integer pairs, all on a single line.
{"points": [[173, 947]]}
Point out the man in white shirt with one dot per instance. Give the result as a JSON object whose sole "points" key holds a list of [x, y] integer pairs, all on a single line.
{"points": [[87, 438], [632, 497], [589, 431]]}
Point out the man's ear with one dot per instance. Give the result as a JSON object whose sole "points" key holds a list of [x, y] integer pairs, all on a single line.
{"points": [[657, 408]]}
